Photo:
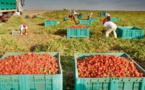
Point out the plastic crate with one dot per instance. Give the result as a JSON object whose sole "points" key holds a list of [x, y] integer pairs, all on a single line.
{"points": [[77, 32], [115, 19], [130, 32], [14, 32], [32, 81], [127, 83], [7, 4], [50, 22], [102, 13], [85, 22], [93, 19]]}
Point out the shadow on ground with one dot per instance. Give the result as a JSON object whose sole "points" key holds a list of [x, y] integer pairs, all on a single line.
{"points": [[61, 32], [41, 24], [67, 63], [38, 48]]}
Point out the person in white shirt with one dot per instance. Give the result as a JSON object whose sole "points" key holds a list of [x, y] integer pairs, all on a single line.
{"points": [[110, 27], [23, 27]]}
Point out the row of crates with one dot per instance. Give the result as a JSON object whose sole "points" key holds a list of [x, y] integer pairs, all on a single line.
{"points": [[8, 1], [55, 81], [8, 4], [90, 21], [126, 32]]}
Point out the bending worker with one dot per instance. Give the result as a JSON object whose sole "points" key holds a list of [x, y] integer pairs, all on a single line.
{"points": [[89, 15], [23, 27], [110, 27]]}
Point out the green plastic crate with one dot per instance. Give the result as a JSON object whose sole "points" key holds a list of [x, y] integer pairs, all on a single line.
{"points": [[85, 22], [102, 13], [65, 19], [130, 32], [115, 19], [50, 22], [77, 32], [80, 16], [32, 81], [93, 19], [127, 83], [7, 4]]}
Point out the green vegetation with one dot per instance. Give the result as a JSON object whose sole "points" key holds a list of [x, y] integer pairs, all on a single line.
{"points": [[53, 38]]}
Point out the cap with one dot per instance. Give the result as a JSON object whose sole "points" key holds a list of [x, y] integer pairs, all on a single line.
{"points": [[24, 24], [107, 14]]}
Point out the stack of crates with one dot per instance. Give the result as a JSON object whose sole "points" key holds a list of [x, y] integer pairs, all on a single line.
{"points": [[50, 22], [118, 83], [8, 4], [32, 81], [77, 32], [86, 22], [130, 32]]}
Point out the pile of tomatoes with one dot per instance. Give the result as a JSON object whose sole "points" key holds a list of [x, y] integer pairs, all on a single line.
{"points": [[106, 66], [51, 18], [29, 63], [78, 26]]}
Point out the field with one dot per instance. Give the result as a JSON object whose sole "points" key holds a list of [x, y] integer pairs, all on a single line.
{"points": [[54, 39]]}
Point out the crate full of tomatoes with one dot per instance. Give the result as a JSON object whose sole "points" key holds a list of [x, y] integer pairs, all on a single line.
{"points": [[77, 31], [107, 71], [50, 22], [31, 71]]}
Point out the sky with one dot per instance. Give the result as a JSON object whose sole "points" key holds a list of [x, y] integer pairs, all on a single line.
{"points": [[133, 5]]}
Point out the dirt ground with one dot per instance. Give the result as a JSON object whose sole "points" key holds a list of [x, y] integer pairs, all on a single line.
{"points": [[33, 12]]}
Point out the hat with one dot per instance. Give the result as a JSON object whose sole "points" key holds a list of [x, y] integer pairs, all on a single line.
{"points": [[107, 14], [24, 25]]}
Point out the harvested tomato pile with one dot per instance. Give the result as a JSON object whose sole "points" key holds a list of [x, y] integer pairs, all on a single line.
{"points": [[51, 18], [77, 26], [106, 66], [30, 63]]}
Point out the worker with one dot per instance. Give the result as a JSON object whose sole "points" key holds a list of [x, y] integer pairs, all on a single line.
{"points": [[23, 27], [109, 26], [89, 15], [71, 16], [75, 13]]}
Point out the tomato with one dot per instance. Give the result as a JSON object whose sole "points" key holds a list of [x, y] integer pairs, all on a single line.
{"points": [[30, 63], [107, 66]]}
